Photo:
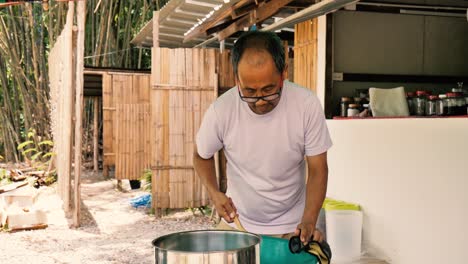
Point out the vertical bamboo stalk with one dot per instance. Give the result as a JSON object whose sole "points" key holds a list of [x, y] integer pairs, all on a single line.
{"points": [[81, 16], [95, 133]]}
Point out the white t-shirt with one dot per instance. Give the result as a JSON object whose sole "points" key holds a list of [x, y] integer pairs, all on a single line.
{"points": [[265, 154]]}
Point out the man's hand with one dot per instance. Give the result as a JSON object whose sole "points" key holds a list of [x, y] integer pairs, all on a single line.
{"points": [[224, 206], [307, 231]]}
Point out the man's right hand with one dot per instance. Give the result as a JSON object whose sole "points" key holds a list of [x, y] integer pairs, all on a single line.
{"points": [[224, 206]]}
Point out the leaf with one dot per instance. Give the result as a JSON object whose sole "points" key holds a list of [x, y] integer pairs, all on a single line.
{"points": [[1, 158], [29, 150], [35, 156], [46, 142], [24, 144], [30, 134], [48, 154]]}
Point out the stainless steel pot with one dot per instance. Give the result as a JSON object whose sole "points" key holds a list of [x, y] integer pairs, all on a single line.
{"points": [[208, 246]]}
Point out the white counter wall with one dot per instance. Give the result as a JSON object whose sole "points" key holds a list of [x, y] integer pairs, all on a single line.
{"points": [[411, 178]]}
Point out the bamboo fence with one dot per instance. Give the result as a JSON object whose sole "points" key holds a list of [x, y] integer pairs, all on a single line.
{"points": [[305, 54], [66, 101], [61, 101], [185, 83], [126, 129]]}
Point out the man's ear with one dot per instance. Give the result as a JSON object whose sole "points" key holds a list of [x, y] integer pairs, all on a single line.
{"points": [[284, 74], [236, 80]]}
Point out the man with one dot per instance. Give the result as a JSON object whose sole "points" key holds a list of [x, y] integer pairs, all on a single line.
{"points": [[266, 126]]}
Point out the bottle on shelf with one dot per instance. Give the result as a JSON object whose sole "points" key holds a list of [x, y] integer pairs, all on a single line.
{"points": [[344, 104], [410, 99], [353, 110], [431, 105], [420, 103], [441, 105]]}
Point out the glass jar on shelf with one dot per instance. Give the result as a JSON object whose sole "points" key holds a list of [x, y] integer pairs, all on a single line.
{"points": [[353, 110], [410, 99], [466, 102], [461, 104], [420, 103], [344, 104], [456, 104], [359, 102], [431, 105], [441, 105]]}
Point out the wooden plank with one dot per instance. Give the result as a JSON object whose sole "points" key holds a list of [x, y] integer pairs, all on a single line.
{"points": [[95, 133], [305, 53], [224, 13], [257, 15], [197, 115], [188, 136], [107, 129], [165, 199], [226, 72], [81, 17], [61, 90], [118, 124], [160, 120], [246, 21], [155, 29], [12, 186]]}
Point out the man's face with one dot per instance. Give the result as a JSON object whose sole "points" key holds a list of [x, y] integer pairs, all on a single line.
{"points": [[258, 76]]}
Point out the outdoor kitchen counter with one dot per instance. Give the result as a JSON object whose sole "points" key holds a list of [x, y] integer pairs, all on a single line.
{"points": [[411, 177]]}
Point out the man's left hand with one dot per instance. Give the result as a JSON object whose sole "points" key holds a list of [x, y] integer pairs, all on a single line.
{"points": [[308, 230]]}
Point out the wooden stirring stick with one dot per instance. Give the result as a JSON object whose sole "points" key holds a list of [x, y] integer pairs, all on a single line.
{"points": [[238, 224]]}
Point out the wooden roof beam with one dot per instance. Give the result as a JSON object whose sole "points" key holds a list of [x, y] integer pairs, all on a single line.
{"points": [[245, 21], [215, 19], [255, 16]]}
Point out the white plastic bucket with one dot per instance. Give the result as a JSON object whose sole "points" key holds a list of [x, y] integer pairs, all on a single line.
{"points": [[344, 234]]}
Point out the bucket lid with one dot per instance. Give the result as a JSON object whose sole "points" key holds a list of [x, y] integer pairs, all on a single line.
{"points": [[334, 205]]}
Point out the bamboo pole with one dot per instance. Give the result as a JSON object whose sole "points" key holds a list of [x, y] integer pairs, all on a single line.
{"points": [[95, 133], [81, 17]]}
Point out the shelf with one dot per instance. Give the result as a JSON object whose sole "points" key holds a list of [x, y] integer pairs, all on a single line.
{"points": [[398, 117]]}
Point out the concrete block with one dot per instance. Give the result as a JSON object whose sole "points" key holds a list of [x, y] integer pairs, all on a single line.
{"points": [[22, 197], [23, 219]]}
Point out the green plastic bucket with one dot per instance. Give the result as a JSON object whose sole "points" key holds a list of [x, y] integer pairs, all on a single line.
{"points": [[276, 251]]}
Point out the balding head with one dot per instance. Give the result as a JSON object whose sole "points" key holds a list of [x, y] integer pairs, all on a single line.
{"points": [[260, 44]]}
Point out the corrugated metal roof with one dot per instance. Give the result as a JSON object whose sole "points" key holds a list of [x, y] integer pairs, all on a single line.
{"points": [[175, 19], [178, 16]]}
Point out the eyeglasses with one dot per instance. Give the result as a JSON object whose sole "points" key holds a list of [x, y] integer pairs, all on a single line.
{"points": [[267, 98]]}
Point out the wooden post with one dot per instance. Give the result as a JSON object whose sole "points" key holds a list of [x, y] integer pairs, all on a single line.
{"points": [[81, 16], [68, 104], [156, 29], [96, 134]]}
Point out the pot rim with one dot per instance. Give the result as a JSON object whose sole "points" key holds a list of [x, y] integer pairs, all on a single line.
{"points": [[205, 252]]}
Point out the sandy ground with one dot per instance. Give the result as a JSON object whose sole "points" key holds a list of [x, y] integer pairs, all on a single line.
{"points": [[112, 231]]}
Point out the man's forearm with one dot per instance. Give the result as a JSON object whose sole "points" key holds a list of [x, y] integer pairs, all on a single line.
{"points": [[315, 194], [205, 168]]}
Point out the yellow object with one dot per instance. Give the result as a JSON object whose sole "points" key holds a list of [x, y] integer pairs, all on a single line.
{"points": [[316, 250], [330, 205]]}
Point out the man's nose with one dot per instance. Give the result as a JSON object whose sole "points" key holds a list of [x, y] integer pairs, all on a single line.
{"points": [[261, 102]]}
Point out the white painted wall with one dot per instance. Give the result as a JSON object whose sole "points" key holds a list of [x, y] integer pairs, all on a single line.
{"points": [[411, 178]]}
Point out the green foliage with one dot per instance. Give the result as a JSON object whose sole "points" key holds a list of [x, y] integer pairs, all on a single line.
{"points": [[24, 144], [46, 142], [4, 179], [27, 35], [147, 175], [38, 152]]}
